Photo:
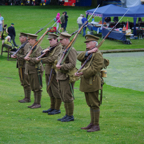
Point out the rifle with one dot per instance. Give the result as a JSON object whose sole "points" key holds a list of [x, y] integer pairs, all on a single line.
{"points": [[43, 27], [27, 41], [49, 49], [50, 79], [90, 55], [34, 46], [68, 48], [19, 48]]}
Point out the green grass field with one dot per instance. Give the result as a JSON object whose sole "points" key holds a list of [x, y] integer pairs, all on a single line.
{"points": [[31, 18], [122, 110]]}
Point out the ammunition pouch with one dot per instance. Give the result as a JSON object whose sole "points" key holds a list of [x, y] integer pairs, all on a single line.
{"points": [[71, 74]]}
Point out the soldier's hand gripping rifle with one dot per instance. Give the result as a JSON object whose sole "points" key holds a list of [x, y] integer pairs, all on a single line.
{"points": [[90, 55], [68, 48]]}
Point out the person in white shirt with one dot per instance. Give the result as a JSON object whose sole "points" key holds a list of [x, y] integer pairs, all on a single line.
{"points": [[1, 24], [79, 21]]}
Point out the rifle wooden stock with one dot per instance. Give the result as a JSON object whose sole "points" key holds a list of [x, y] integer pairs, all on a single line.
{"points": [[68, 48], [29, 53]]}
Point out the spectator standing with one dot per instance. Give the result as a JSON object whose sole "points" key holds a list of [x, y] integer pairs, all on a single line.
{"points": [[62, 21], [107, 19], [4, 33], [12, 33], [1, 24], [79, 21], [66, 20], [139, 20], [84, 29], [92, 18], [115, 19], [58, 21]]}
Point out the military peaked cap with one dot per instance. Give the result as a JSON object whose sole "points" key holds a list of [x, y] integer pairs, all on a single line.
{"points": [[23, 34], [89, 38], [64, 35], [52, 36], [32, 36]]}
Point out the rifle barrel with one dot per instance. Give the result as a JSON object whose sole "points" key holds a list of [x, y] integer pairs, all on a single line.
{"points": [[29, 53]]}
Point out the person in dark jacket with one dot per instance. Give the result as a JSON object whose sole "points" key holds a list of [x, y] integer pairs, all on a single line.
{"points": [[12, 33], [66, 20]]}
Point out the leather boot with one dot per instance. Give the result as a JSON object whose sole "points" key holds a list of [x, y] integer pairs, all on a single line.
{"points": [[69, 111], [62, 118], [27, 96], [34, 101], [87, 127], [38, 100], [65, 106], [47, 111], [95, 127], [57, 107], [54, 112], [91, 123], [52, 105]]}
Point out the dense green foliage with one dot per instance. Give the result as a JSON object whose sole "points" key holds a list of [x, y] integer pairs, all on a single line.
{"points": [[122, 114]]}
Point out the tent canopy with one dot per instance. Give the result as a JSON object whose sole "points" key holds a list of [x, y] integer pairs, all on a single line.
{"points": [[136, 11], [112, 10], [108, 11]]}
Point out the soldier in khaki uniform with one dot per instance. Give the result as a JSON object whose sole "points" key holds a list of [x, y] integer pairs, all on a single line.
{"points": [[50, 74], [90, 82], [66, 88], [21, 67], [35, 70]]}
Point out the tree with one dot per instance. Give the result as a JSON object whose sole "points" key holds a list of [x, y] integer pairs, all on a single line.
{"points": [[94, 3]]}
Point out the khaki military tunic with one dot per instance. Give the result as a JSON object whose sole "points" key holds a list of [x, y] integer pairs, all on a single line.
{"points": [[49, 60], [63, 78], [90, 82], [31, 69], [21, 64]]}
